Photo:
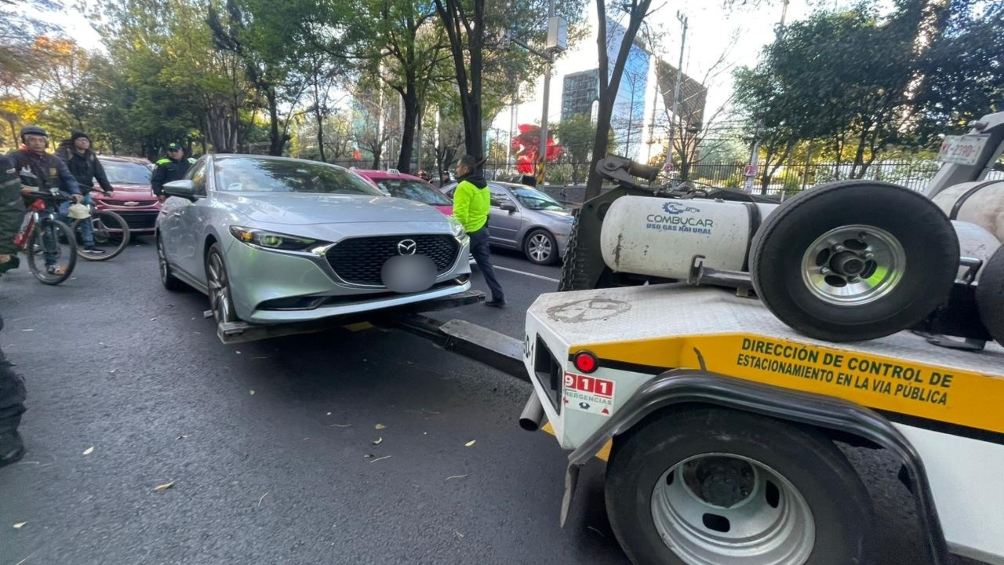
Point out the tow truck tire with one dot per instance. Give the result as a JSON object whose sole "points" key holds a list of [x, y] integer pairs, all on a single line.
{"points": [[854, 260], [723, 486], [990, 295]]}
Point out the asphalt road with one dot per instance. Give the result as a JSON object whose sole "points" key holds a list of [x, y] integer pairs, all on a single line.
{"points": [[269, 447]]}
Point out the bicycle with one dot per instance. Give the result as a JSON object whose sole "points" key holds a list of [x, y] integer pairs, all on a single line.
{"points": [[110, 231], [43, 235]]}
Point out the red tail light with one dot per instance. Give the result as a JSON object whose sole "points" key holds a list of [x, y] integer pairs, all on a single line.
{"points": [[37, 205], [585, 362]]}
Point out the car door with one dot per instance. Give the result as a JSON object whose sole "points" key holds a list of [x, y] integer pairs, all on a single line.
{"points": [[191, 223], [503, 225]]}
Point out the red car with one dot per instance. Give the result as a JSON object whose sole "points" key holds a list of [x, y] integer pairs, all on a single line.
{"points": [[132, 198], [410, 187]]}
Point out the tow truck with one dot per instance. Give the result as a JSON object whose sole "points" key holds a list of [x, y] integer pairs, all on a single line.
{"points": [[713, 368]]}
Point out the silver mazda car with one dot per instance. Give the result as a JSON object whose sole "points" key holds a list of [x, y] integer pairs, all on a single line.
{"points": [[273, 240]]}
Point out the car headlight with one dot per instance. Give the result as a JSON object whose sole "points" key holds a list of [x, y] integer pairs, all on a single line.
{"points": [[271, 240], [458, 229]]}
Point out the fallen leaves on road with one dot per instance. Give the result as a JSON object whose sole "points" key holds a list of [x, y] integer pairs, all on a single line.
{"points": [[163, 487], [378, 441], [261, 499], [379, 458], [89, 450], [470, 443], [19, 525], [451, 477], [379, 427], [328, 414], [28, 330], [340, 425], [182, 436], [252, 392]]}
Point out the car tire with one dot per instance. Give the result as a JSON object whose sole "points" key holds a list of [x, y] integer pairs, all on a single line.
{"points": [[990, 295], [167, 278], [711, 485], [854, 260], [540, 247], [218, 286]]}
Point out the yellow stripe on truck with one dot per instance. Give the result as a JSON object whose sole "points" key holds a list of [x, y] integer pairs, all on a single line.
{"points": [[944, 394]]}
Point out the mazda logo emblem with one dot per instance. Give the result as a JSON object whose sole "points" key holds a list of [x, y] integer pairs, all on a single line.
{"points": [[406, 247]]}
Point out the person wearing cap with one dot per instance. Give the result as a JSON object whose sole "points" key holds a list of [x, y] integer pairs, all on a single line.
{"points": [[86, 168], [40, 171], [170, 168], [471, 203]]}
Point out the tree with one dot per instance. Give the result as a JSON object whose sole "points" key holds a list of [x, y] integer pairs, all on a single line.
{"points": [[576, 135], [480, 38], [268, 38], [609, 79]]}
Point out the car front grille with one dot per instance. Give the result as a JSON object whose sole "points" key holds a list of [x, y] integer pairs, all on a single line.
{"points": [[359, 260], [139, 220]]}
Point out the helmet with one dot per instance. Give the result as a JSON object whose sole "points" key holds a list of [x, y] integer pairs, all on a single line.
{"points": [[79, 211], [32, 130]]}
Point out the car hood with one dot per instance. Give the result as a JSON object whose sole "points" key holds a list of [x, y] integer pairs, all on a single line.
{"points": [[307, 209]]}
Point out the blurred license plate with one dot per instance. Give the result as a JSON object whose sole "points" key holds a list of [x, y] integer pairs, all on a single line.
{"points": [[962, 149]]}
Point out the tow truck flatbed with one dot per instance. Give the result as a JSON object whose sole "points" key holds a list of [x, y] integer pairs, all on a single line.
{"points": [[946, 402]]}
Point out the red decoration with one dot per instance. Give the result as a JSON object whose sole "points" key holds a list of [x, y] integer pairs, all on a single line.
{"points": [[527, 148]]}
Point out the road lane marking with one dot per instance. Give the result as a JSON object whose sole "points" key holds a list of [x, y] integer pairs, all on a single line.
{"points": [[534, 275]]}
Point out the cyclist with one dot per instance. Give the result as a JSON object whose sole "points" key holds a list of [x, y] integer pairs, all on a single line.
{"points": [[40, 171], [86, 168]]}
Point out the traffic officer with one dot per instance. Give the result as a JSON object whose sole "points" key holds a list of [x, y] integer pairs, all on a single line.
{"points": [[170, 168], [471, 203], [11, 384]]}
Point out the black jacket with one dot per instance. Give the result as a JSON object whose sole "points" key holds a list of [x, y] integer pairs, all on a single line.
{"points": [[43, 171], [169, 170], [85, 168]]}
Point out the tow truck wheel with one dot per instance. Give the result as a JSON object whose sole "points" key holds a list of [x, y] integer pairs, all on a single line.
{"points": [[990, 295], [854, 260], [708, 485]]}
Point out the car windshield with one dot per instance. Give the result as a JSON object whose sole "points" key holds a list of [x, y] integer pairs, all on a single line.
{"points": [[121, 172], [414, 190], [245, 174], [535, 199]]}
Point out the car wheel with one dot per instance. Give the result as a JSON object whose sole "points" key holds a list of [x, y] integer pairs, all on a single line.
{"points": [[167, 278], [218, 283], [540, 247]]}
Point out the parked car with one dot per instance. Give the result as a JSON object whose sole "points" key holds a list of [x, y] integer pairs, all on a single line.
{"points": [[275, 240], [524, 218], [401, 185], [132, 197]]}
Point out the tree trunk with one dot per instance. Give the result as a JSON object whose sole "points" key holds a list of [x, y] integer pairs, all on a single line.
{"points": [[276, 141], [608, 91], [410, 100]]}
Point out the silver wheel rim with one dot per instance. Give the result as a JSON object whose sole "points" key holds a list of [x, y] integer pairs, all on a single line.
{"points": [[219, 295], [539, 247], [720, 509], [161, 260], [853, 265]]}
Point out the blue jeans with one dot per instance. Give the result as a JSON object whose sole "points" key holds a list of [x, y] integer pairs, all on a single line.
{"points": [[482, 255], [50, 242]]}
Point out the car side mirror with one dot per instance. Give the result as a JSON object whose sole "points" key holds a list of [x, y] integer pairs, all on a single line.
{"points": [[508, 207], [182, 188]]}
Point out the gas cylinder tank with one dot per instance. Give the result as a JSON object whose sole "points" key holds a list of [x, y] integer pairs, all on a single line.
{"points": [[977, 202], [659, 237]]}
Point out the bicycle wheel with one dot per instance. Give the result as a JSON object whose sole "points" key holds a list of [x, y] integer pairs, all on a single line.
{"points": [[51, 251], [111, 235]]}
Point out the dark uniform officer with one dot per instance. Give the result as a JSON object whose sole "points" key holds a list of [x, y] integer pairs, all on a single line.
{"points": [[170, 168], [11, 384]]}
